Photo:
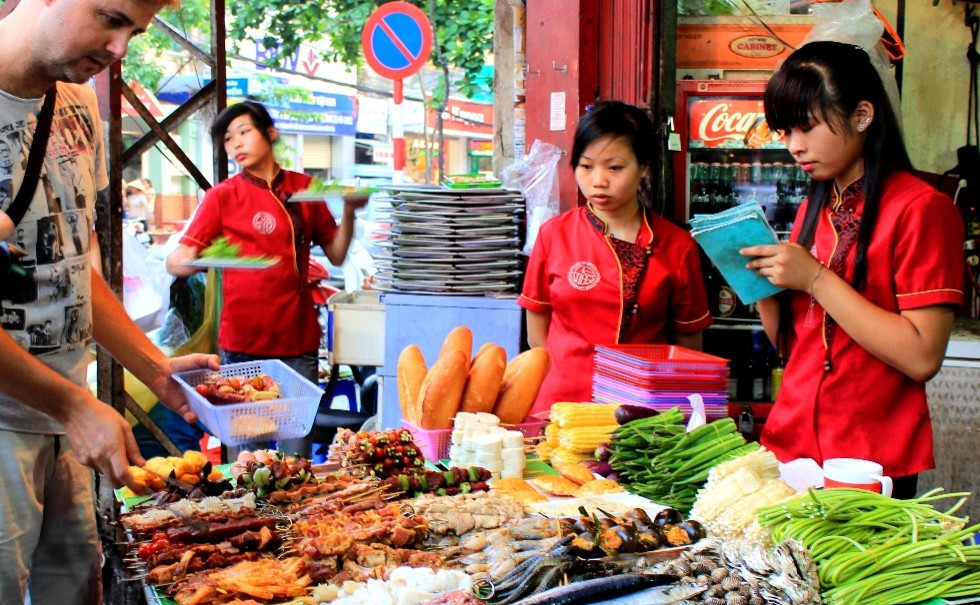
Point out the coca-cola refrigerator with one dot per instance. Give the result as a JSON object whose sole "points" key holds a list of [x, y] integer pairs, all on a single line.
{"points": [[729, 156]]}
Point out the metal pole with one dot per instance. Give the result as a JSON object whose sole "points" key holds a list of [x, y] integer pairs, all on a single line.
{"points": [[398, 133]]}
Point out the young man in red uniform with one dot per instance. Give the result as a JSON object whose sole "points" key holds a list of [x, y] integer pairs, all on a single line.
{"points": [[610, 272]]}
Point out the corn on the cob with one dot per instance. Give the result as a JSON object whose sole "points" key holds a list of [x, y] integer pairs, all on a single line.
{"points": [[551, 434], [544, 450], [568, 414], [561, 456], [584, 439]]}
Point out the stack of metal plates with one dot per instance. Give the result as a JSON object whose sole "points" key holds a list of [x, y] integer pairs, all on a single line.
{"points": [[461, 242]]}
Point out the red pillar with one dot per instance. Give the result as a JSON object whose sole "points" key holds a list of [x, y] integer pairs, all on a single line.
{"points": [[562, 65]]}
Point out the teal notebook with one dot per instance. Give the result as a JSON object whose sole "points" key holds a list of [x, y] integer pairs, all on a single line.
{"points": [[723, 234]]}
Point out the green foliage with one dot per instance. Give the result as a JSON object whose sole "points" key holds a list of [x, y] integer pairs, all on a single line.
{"points": [[463, 34], [145, 61]]}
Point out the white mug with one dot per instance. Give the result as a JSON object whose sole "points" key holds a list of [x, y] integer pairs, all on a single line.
{"points": [[856, 473]]}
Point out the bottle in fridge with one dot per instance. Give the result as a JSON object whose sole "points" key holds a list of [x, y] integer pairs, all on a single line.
{"points": [[729, 156]]}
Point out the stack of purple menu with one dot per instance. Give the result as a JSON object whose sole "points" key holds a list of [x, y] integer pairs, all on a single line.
{"points": [[660, 376]]}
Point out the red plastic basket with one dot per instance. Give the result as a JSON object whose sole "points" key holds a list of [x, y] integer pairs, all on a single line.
{"points": [[434, 443]]}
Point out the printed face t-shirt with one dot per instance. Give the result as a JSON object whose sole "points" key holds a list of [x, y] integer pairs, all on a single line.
{"points": [[50, 313]]}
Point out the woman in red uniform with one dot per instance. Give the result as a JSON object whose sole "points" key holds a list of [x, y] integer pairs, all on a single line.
{"points": [[612, 271], [873, 271], [265, 314]]}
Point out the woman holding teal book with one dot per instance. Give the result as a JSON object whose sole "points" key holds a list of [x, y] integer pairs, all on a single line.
{"points": [[873, 272]]}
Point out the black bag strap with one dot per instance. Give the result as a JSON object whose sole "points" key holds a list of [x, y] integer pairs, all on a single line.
{"points": [[18, 208]]}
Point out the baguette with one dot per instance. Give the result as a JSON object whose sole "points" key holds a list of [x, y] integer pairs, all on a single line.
{"points": [[522, 381], [484, 380], [489, 346], [411, 374], [442, 390], [459, 338]]}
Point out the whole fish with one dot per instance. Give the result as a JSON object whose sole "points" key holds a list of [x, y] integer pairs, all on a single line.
{"points": [[660, 595], [600, 589]]}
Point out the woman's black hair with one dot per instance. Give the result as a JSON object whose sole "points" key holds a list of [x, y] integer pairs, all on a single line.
{"points": [[618, 120], [827, 81], [257, 111]]}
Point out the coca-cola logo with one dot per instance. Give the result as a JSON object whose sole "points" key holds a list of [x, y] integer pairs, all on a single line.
{"points": [[722, 123], [756, 47]]}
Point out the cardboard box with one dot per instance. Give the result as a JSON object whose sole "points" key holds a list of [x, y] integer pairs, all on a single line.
{"points": [[736, 43]]}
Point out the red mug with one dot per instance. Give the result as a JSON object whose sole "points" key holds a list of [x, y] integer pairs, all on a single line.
{"points": [[856, 473]]}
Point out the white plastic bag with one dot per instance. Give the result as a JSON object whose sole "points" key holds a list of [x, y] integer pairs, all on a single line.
{"points": [[854, 22], [536, 176], [146, 285]]}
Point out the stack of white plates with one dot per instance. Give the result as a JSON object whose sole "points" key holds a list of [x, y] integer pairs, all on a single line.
{"points": [[462, 242]]}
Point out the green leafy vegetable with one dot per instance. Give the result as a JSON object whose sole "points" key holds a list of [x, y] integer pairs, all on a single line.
{"points": [[221, 247]]}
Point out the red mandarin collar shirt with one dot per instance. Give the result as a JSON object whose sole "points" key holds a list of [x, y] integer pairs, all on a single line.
{"points": [[575, 275], [269, 311], [861, 407]]}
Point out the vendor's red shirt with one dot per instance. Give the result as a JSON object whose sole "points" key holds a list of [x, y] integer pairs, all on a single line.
{"points": [[863, 408], [575, 275], [270, 311]]}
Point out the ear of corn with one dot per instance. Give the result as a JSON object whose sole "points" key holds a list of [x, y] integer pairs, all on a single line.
{"points": [[561, 456], [544, 449], [584, 439], [567, 414], [551, 434]]}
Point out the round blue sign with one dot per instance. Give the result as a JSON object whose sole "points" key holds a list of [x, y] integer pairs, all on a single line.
{"points": [[397, 40]]}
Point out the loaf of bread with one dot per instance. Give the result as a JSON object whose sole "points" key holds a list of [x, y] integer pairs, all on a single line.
{"points": [[442, 390], [484, 380], [459, 338], [489, 346], [522, 381], [411, 373]]}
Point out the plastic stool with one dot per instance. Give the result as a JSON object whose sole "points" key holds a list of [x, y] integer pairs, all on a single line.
{"points": [[345, 387]]}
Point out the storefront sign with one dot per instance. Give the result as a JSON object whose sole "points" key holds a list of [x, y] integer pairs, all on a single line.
{"points": [[325, 113], [465, 117], [237, 87], [729, 123], [481, 148], [372, 115], [737, 45]]}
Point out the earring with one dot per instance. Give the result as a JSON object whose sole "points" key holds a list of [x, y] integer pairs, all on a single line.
{"points": [[864, 124]]}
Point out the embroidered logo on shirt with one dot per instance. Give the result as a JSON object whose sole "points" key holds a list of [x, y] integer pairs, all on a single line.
{"points": [[264, 223], [583, 276]]}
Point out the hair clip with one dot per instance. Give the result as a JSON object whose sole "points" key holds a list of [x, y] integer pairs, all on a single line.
{"points": [[589, 107]]}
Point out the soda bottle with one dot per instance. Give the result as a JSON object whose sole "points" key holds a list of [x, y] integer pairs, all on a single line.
{"points": [[719, 191], [697, 188]]}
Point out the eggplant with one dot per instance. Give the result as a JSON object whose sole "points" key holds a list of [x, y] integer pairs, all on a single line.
{"points": [[668, 516], [694, 529], [603, 452], [599, 468], [639, 514], [628, 413]]}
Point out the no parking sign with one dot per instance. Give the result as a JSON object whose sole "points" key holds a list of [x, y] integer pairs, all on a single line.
{"points": [[397, 40]]}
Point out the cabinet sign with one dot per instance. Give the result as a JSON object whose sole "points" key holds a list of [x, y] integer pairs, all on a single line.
{"points": [[729, 123], [757, 47]]}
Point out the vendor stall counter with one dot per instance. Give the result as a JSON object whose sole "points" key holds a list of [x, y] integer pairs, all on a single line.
{"points": [[954, 404], [425, 320]]}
